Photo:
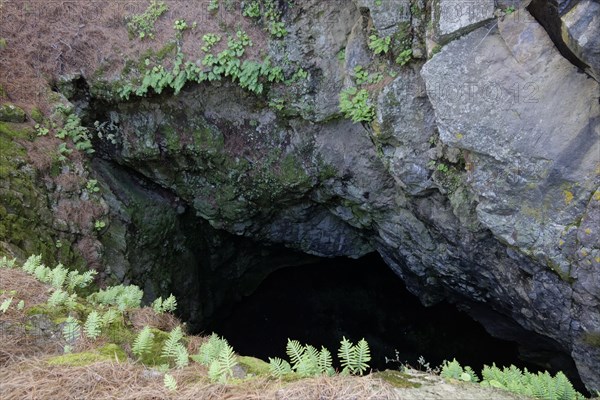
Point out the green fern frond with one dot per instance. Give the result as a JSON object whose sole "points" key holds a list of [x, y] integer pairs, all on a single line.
{"points": [[169, 349], [324, 361], [58, 298], [210, 350], [346, 354], [21, 305], [143, 342], [71, 330], [170, 304], [8, 263], [278, 367], [309, 363], [362, 356], [221, 369], [109, 317], [92, 325], [157, 305], [5, 305], [182, 358], [294, 350], [170, 382], [79, 280], [32, 263], [57, 276], [451, 369]]}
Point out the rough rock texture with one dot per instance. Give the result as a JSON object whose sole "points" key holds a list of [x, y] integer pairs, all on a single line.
{"points": [[452, 18], [575, 28], [530, 125], [477, 182]]}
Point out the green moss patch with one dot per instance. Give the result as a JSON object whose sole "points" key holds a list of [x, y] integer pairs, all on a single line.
{"points": [[254, 366], [396, 378], [110, 352]]}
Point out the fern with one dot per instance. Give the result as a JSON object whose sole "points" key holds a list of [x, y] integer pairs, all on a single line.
{"points": [[325, 362], [168, 305], [170, 382], [294, 350], [92, 326], [210, 350], [58, 298], [6, 262], [169, 349], [21, 305], [309, 363], [123, 297], [5, 305], [354, 358], [32, 263], [58, 276], [278, 367], [143, 342], [109, 317], [71, 330], [79, 280], [540, 385], [182, 357], [221, 368]]}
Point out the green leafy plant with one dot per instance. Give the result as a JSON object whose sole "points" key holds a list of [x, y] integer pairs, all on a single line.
{"points": [[123, 297], [213, 6], [277, 29], [6, 305], [355, 104], [453, 369], [41, 130], [252, 10], [404, 57], [354, 358], [180, 25], [21, 305], [379, 45], [71, 330], [307, 360], [92, 326], [142, 25], [161, 306], [278, 367], [143, 342], [509, 10], [92, 186], [99, 225], [210, 39], [210, 349], [6, 262], [221, 368], [170, 382], [172, 348], [540, 385]]}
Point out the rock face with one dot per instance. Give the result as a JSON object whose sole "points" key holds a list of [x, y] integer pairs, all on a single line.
{"points": [[575, 28], [477, 181]]}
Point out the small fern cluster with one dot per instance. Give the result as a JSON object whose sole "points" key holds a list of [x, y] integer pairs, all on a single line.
{"points": [[453, 370], [356, 105], [122, 296], [540, 385], [142, 25], [174, 350], [306, 360], [161, 306], [219, 356]]}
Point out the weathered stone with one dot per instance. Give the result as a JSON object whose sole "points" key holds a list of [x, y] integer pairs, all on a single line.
{"points": [[530, 125], [11, 113], [574, 26], [452, 18], [387, 14]]}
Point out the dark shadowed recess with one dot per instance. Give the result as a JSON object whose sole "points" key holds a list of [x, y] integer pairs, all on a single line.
{"points": [[320, 303]]}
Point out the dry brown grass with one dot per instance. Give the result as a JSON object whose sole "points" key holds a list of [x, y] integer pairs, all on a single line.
{"points": [[48, 39], [146, 316], [35, 379], [27, 288]]}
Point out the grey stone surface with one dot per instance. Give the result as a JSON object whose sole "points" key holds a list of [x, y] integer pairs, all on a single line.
{"points": [[454, 17], [581, 32], [529, 125]]}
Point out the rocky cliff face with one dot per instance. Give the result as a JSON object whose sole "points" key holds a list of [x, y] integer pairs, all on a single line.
{"points": [[477, 181]]}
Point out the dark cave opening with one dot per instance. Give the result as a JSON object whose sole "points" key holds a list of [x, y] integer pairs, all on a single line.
{"points": [[320, 303]]}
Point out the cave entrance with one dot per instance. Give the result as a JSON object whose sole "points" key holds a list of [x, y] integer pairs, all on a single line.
{"points": [[320, 303]]}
